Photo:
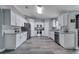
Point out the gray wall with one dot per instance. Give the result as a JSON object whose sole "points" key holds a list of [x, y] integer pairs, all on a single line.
{"points": [[1, 36]]}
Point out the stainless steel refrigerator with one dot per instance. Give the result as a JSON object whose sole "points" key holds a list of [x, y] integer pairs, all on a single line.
{"points": [[28, 29]]}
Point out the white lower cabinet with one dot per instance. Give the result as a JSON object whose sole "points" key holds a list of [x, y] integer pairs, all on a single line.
{"points": [[23, 37], [51, 34], [61, 39], [18, 40], [13, 18], [12, 41], [67, 40]]}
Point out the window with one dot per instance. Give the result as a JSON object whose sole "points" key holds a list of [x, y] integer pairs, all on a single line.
{"points": [[55, 24]]}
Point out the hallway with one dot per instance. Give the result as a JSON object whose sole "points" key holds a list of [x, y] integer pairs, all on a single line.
{"points": [[39, 45]]}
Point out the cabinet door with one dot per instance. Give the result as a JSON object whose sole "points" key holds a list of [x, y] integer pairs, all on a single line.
{"points": [[49, 34], [69, 41], [17, 20], [7, 17], [52, 35], [60, 19], [21, 21], [23, 36], [61, 39], [18, 40], [65, 19], [13, 18], [10, 41]]}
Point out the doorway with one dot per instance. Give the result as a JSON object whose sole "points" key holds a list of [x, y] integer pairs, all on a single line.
{"points": [[77, 26], [39, 28]]}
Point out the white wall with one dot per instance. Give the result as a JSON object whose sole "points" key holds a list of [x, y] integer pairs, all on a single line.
{"points": [[46, 28]]}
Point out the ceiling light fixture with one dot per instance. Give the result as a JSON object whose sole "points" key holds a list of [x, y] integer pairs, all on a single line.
{"points": [[39, 9]]}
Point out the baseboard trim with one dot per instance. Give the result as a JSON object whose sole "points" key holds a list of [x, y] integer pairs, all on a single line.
{"points": [[1, 50]]}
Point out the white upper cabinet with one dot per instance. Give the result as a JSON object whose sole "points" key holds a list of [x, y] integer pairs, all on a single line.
{"points": [[11, 18], [17, 20], [20, 20], [6, 17], [63, 19]]}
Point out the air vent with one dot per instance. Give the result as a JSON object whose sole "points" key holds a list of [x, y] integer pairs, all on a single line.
{"points": [[26, 7], [39, 5]]}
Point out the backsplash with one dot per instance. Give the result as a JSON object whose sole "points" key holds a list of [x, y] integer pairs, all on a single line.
{"points": [[10, 29]]}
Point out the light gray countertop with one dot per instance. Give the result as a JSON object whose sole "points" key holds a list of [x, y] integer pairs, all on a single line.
{"points": [[70, 32], [61, 32], [54, 30], [15, 33]]}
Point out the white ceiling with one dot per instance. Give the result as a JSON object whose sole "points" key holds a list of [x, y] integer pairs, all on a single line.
{"points": [[49, 11]]}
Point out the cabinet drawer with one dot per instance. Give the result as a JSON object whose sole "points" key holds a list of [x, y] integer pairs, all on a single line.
{"points": [[13, 18]]}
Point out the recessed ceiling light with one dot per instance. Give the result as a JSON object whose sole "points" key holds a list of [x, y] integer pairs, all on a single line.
{"points": [[39, 9]]}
